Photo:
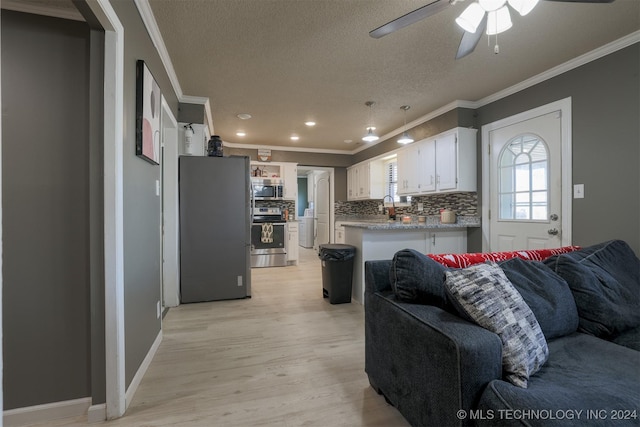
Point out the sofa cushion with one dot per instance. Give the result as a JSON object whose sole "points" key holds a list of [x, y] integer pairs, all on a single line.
{"points": [[583, 373], [605, 282], [417, 278], [547, 295], [483, 293], [468, 259], [629, 338]]}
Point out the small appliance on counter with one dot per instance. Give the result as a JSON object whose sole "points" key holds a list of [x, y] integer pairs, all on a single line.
{"points": [[447, 216]]}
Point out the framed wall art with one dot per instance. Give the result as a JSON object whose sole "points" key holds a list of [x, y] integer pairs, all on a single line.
{"points": [[147, 115]]}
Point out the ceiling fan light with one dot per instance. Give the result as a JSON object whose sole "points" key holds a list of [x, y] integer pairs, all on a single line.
{"points": [[498, 21], [523, 7], [491, 5], [370, 136], [471, 17], [405, 139]]}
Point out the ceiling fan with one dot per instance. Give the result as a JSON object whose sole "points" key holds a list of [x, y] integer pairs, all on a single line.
{"points": [[475, 11]]}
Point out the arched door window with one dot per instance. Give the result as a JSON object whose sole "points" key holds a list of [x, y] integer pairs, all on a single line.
{"points": [[524, 179]]}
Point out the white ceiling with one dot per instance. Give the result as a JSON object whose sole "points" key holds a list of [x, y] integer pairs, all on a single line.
{"points": [[288, 61]]}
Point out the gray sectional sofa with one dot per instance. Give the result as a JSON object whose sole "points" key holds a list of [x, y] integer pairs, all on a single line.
{"points": [[434, 363]]}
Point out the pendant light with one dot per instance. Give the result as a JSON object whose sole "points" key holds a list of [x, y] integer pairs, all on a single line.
{"points": [[405, 138], [370, 136]]}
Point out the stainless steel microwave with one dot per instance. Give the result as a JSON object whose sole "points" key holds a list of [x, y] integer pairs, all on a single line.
{"points": [[267, 188]]}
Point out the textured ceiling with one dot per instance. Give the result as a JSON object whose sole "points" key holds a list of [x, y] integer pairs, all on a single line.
{"points": [[287, 61]]}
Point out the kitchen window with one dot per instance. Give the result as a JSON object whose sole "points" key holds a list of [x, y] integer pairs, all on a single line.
{"points": [[391, 184]]}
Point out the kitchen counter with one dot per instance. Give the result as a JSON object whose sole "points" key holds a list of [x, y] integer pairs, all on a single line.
{"points": [[376, 240], [432, 222]]}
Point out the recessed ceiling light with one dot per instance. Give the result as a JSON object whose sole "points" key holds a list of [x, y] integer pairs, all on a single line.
{"points": [[310, 123], [295, 137], [244, 116], [348, 141], [241, 134]]}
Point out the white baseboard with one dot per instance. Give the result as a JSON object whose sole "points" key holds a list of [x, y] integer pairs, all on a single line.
{"points": [[97, 413], [46, 412], [135, 382]]}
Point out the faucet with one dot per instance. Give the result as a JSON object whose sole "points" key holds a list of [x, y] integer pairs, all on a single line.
{"points": [[392, 209]]}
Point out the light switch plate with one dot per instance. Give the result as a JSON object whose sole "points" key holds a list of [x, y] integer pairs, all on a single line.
{"points": [[578, 191], [157, 187]]}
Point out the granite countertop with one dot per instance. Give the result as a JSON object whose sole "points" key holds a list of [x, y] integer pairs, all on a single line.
{"points": [[431, 223]]}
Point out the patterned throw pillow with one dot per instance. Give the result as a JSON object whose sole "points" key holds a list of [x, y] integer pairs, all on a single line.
{"points": [[483, 293], [468, 259]]}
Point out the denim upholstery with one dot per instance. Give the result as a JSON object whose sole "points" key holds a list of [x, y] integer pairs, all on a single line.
{"points": [[583, 373], [605, 282], [546, 293], [417, 278], [429, 363]]}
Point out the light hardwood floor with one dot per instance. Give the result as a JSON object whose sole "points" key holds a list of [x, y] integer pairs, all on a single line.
{"points": [[285, 357]]}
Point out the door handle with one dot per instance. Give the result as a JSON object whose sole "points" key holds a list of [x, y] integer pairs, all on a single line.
{"points": [[553, 217], [553, 231]]}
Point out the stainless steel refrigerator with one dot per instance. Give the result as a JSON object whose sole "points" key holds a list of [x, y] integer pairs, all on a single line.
{"points": [[215, 228]]}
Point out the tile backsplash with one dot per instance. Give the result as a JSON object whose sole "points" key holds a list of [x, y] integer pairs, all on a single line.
{"points": [[464, 204]]}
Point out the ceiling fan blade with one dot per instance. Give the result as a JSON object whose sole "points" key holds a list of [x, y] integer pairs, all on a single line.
{"points": [[470, 40], [410, 18]]}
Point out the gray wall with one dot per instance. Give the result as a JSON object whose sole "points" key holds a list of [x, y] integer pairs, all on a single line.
{"points": [[142, 243], [606, 142], [45, 202]]}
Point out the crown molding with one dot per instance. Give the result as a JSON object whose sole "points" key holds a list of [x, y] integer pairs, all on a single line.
{"points": [[149, 20], [54, 12], [420, 120], [572, 64], [287, 148], [207, 107], [152, 27]]}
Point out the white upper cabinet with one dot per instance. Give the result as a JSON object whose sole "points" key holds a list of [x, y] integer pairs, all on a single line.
{"points": [[365, 181], [290, 178], [413, 168], [444, 163]]}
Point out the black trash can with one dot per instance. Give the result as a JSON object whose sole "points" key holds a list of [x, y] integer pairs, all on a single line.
{"points": [[337, 272]]}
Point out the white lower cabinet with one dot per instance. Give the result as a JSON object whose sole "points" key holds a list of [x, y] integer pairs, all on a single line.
{"points": [[291, 244], [339, 233], [447, 242]]}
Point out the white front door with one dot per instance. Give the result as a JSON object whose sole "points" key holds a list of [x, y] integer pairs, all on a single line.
{"points": [[322, 209], [525, 181]]}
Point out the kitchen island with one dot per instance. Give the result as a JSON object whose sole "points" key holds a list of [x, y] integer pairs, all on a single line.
{"points": [[381, 240]]}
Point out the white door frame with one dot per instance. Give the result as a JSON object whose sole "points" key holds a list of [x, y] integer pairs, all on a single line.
{"points": [[564, 105], [1, 340], [113, 206], [170, 240], [332, 185]]}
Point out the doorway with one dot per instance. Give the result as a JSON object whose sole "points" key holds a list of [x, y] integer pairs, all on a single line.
{"points": [[170, 228], [526, 177], [320, 199]]}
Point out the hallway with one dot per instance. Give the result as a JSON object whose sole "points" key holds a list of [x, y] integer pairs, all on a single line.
{"points": [[285, 357]]}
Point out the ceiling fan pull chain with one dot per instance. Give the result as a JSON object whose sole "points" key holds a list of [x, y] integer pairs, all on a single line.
{"points": [[496, 48]]}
